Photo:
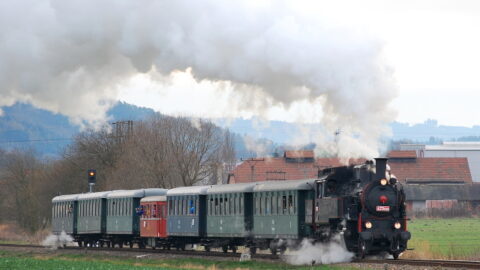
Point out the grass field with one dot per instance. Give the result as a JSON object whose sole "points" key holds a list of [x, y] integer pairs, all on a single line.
{"points": [[9, 260], [445, 238]]}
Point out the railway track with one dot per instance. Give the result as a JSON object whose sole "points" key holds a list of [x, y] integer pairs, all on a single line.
{"points": [[161, 251], [432, 263]]}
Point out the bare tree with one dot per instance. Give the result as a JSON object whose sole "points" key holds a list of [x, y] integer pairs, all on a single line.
{"points": [[195, 149]]}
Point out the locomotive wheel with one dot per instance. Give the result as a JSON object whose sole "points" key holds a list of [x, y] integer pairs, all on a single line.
{"points": [[79, 243], [234, 249], [395, 255], [225, 249], [120, 245], [102, 244], [108, 244], [273, 250], [253, 250], [131, 245], [207, 248], [362, 249]]}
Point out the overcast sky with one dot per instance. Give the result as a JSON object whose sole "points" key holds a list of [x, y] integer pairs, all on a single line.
{"points": [[432, 46]]}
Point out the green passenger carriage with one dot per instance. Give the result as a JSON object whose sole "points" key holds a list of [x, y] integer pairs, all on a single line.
{"points": [[229, 215], [91, 218], [279, 213], [122, 219], [64, 214]]}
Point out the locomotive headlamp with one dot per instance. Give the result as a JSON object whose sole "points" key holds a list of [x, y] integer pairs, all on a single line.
{"points": [[397, 225], [368, 225], [383, 182]]}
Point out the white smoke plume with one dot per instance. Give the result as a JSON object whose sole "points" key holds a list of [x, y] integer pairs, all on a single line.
{"points": [[330, 252], [54, 241], [70, 57]]}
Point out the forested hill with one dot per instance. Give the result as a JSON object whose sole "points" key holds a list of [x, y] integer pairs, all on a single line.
{"points": [[24, 126]]}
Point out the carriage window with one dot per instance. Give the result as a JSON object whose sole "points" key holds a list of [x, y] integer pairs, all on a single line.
{"points": [[175, 206], [154, 210], [274, 204], [260, 205], [284, 204], [240, 207], [267, 206], [210, 203], [184, 207], [217, 212], [290, 204], [234, 201], [229, 206]]}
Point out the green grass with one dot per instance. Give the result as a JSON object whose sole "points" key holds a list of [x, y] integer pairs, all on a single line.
{"points": [[445, 238], [9, 260]]}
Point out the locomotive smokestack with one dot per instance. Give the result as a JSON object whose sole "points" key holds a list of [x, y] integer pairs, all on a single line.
{"points": [[381, 167]]}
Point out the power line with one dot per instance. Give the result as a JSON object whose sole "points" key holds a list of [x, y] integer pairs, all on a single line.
{"points": [[36, 140]]}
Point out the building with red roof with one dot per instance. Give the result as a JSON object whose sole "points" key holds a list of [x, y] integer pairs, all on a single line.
{"points": [[410, 169], [294, 165]]}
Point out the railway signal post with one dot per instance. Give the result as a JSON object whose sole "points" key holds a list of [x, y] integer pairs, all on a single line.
{"points": [[92, 179]]}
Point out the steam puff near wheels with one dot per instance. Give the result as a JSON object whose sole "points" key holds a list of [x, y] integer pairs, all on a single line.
{"points": [[55, 241], [309, 253]]}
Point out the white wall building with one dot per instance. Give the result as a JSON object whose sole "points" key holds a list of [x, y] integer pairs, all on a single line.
{"points": [[470, 150]]}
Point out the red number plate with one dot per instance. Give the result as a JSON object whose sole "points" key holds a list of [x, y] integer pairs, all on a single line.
{"points": [[381, 208]]}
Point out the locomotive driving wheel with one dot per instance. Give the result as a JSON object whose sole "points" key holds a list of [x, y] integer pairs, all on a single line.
{"points": [[362, 248]]}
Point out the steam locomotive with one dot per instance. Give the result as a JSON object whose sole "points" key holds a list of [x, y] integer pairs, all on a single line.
{"points": [[369, 205], [361, 202]]}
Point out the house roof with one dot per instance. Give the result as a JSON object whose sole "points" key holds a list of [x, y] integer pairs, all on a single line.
{"points": [[435, 170], [273, 169], [299, 154], [402, 154]]}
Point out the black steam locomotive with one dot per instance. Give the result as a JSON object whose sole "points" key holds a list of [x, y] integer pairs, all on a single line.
{"points": [[366, 204]]}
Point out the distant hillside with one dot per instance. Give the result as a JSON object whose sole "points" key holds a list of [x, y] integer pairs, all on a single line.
{"points": [[284, 132], [24, 126]]}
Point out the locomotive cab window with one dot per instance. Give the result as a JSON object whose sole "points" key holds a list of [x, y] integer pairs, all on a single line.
{"points": [[319, 190]]}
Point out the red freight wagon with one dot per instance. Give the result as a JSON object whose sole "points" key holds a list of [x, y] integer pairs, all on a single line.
{"points": [[153, 222]]}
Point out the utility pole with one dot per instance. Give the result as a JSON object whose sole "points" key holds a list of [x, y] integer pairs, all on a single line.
{"points": [[337, 135], [122, 130]]}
